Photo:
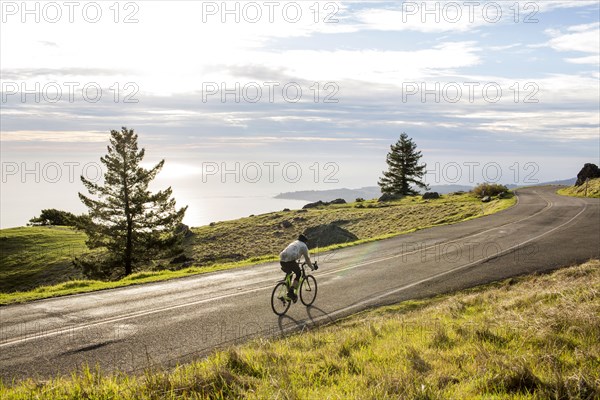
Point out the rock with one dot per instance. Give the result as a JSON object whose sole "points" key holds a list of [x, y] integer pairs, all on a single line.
{"points": [[328, 234], [589, 171], [486, 199], [184, 230], [389, 197], [286, 224], [431, 196], [324, 203], [314, 205], [338, 201]]}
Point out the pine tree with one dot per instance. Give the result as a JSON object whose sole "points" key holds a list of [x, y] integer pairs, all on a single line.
{"points": [[404, 169], [133, 224]]}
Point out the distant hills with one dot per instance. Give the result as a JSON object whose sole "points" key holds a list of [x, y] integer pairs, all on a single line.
{"points": [[372, 192], [564, 182], [367, 193]]}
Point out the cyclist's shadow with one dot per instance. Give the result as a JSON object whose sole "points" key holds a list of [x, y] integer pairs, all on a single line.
{"points": [[316, 316], [281, 322]]}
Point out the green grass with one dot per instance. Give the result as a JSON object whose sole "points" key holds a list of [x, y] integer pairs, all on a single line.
{"points": [[224, 245], [36, 256], [535, 337], [593, 189]]}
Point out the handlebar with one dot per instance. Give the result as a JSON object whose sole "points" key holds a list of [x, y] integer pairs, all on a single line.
{"points": [[315, 266]]}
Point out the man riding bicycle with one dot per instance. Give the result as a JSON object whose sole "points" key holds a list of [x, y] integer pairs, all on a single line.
{"points": [[289, 264]]}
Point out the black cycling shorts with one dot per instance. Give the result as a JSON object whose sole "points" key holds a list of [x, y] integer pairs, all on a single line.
{"points": [[291, 266]]}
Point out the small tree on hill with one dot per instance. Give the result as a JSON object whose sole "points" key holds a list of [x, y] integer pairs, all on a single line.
{"points": [[52, 216], [133, 224], [404, 169]]}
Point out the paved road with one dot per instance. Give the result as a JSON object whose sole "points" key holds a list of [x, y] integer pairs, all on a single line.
{"points": [[166, 323]]}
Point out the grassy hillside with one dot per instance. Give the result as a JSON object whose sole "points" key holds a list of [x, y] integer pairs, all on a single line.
{"points": [[267, 234], [593, 189], [535, 337], [36, 258]]}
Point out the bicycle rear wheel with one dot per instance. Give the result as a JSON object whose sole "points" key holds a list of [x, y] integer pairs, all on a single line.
{"points": [[279, 302], [308, 290]]}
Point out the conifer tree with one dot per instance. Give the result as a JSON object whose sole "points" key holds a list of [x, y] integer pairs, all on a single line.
{"points": [[132, 223], [404, 170]]}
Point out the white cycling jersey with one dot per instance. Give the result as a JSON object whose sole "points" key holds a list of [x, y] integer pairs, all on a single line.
{"points": [[294, 251]]}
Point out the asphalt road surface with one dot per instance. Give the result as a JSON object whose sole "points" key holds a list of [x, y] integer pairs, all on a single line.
{"points": [[167, 323]]}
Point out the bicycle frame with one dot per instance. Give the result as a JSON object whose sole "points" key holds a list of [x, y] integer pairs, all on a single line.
{"points": [[288, 277]]}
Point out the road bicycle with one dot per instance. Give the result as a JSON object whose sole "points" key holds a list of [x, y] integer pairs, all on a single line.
{"points": [[307, 291]]}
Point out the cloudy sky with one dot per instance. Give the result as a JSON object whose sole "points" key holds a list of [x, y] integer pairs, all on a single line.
{"points": [[499, 91]]}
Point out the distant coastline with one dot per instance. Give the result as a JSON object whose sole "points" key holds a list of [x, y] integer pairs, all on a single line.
{"points": [[372, 192]]}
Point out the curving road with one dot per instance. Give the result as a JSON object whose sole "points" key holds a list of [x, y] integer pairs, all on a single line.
{"points": [[172, 322]]}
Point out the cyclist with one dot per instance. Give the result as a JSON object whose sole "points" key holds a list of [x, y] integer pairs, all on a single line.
{"points": [[288, 262]]}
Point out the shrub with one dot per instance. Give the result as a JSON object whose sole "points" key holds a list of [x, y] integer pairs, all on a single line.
{"points": [[489, 189], [54, 217]]}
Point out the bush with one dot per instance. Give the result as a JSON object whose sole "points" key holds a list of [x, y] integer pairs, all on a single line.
{"points": [[54, 217], [359, 200], [489, 189]]}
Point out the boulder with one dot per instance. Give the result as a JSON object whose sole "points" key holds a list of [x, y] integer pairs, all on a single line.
{"points": [[486, 199], [324, 203], [338, 201], [314, 205], [328, 234], [589, 171], [184, 230], [286, 224], [431, 196], [389, 197]]}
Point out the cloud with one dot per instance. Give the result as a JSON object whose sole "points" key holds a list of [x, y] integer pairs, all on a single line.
{"points": [[579, 38], [54, 136], [558, 125]]}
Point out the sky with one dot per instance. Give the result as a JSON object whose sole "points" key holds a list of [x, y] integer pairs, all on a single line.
{"points": [[254, 98]]}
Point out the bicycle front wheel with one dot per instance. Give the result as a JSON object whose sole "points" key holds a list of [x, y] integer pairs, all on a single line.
{"points": [[279, 302], [308, 290]]}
